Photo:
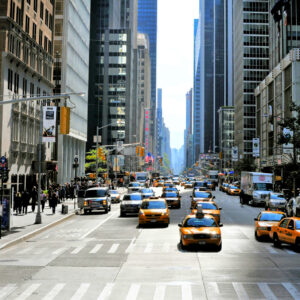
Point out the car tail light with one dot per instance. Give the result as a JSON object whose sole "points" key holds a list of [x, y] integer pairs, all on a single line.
{"points": [[85, 203]]}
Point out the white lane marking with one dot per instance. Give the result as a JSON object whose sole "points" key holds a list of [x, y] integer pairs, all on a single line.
{"points": [[80, 291], [96, 248], [148, 248], [214, 286], [28, 292], [96, 227], [159, 293], [25, 250], [77, 250], [265, 289], [113, 248], [166, 247], [292, 290], [240, 290], [59, 251], [186, 292], [130, 247], [55, 291], [7, 290], [106, 291], [133, 292]]}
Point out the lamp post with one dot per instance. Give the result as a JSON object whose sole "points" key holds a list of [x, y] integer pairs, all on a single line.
{"points": [[38, 219]]}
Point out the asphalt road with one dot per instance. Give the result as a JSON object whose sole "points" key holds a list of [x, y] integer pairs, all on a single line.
{"points": [[103, 256]]}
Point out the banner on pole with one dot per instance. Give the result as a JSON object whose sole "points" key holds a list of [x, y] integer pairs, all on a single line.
{"points": [[234, 153], [49, 124], [255, 147]]}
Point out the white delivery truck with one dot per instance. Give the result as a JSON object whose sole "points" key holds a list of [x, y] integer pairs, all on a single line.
{"points": [[213, 175], [255, 187]]}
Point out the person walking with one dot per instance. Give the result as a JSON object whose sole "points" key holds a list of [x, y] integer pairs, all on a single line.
{"points": [[43, 200], [34, 198], [53, 201], [18, 203], [25, 201]]}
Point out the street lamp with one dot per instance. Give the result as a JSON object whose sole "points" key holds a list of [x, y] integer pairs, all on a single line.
{"points": [[38, 219]]}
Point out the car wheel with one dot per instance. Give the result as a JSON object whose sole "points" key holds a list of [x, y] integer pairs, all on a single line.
{"points": [[106, 210], [182, 246], [251, 203], [110, 208], [276, 241], [122, 214], [85, 211], [258, 238], [297, 244], [219, 248]]}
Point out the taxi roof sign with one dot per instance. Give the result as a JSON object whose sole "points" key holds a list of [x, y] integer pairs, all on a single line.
{"points": [[199, 213]]}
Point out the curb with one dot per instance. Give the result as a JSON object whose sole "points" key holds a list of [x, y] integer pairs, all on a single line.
{"points": [[35, 232]]}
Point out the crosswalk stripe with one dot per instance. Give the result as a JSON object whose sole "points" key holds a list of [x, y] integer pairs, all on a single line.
{"points": [[8, 289], [113, 248], [133, 292], [265, 289], [214, 286], [77, 250], [166, 247], [240, 291], [80, 291], [96, 248], [292, 290], [59, 251], [148, 248], [186, 292], [25, 250], [28, 292], [159, 293], [54, 292], [106, 291]]}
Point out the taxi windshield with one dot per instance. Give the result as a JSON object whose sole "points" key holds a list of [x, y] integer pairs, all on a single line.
{"points": [[153, 205], [208, 205], [271, 217], [113, 192], [200, 183], [133, 197], [147, 191], [202, 195], [95, 193], [170, 194], [134, 184], [234, 187], [197, 222], [297, 223]]}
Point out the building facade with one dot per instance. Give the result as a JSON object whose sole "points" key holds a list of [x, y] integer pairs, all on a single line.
{"points": [[226, 135], [113, 72], [251, 65], [26, 66], [72, 22], [188, 133], [159, 124], [147, 23]]}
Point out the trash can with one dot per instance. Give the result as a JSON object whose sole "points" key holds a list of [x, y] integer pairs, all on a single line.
{"points": [[64, 209]]}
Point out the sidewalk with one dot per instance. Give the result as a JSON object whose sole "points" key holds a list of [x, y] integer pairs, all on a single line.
{"points": [[23, 226]]}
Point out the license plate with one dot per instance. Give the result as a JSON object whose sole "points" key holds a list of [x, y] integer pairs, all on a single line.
{"points": [[152, 221], [201, 243]]}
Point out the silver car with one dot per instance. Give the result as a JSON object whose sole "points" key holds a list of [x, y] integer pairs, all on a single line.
{"points": [[275, 201], [131, 204], [293, 207]]}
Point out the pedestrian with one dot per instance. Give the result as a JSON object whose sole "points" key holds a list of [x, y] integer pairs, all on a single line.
{"points": [[18, 203], [34, 198], [43, 200], [25, 201], [53, 202]]}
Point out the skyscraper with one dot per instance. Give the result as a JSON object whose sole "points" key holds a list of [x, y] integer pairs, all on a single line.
{"points": [[251, 66], [159, 123], [147, 23]]}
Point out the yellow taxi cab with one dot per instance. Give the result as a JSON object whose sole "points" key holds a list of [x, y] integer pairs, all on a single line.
{"points": [[200, 196], [154, 210], [287, 231], [200, 229], [172, 198], [264, 222], [225, 187], [188, 185], [155, 183], [182, 183], [210, 208], [160, 183], [233, 190]]}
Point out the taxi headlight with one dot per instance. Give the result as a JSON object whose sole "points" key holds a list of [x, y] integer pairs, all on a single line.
{"points": [[141, 213], [215, 236], [263, 228], [104, 202], [187, 236], [164, 214]]}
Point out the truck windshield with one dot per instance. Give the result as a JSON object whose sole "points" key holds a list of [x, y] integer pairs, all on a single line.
{"points": [[95, 193], [263, 186], [141, 178]]}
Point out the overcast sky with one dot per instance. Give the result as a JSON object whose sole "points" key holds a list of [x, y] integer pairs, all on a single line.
{"points": [[175, 61]]}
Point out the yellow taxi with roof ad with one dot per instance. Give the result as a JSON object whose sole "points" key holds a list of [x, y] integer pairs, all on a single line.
{"points": [[172, 198], [210, 208], [200, 196], [200, 229], [287, 231], [264, 222], [233, 190], [154, 210]]}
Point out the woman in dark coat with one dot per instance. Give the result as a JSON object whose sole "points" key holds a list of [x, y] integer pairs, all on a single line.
{"points": [[34, 198], [53, 202]]}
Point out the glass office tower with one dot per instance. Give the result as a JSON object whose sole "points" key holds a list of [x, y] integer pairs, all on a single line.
{"points": [[147, 23]]}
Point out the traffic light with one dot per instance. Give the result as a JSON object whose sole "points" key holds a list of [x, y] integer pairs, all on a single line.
{"points": [[99, 152], [137, 150], [142, 151], [196, 164], [161, 161], [64, 120]]}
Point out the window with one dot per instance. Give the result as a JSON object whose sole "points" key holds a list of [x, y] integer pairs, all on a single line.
{"points": [[35, 5], [34, 31], [24, 87], [27, 24], [45, 43], [46, 17], [12, 9], [28, 1], [41, 37], [19, 16], [10, 80], [42, 10], [16, 85], [51, 22], [31, 89], [50, 47]]}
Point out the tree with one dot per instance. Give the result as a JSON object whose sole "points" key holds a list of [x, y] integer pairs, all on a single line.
{"points": [[165, 168], [90, 162]]}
